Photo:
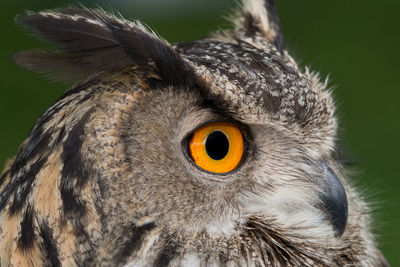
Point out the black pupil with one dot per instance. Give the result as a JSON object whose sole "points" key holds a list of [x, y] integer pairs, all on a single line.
{"points": [[217, 145]]}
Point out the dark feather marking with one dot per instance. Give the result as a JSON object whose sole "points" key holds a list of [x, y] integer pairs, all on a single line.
{"points": [[71, 201], [271, 103], [300, 111], [167, 253], [107, 45], [21, 187], [136, 235], [36, 145], [85, 257], [27, 234], [60, 135], [74, 173], [71, 155], [275, 24], [251, 24], [49, 245], [3, 176], [222, 257]]}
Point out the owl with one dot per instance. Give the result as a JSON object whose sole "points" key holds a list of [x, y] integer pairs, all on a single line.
{"points": [[217, 152]]}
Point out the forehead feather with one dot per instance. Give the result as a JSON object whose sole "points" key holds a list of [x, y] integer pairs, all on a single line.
{"points": [[262, 86]]}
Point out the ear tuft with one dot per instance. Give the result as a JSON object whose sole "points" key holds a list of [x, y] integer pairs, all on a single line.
{"points": [[93, 41], [258, 18]]}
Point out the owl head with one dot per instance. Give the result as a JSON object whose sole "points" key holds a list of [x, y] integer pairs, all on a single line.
{"points": [[218, 152]]}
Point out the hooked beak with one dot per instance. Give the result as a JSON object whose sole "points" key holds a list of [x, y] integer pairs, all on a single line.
{"points": [[334, 201]]}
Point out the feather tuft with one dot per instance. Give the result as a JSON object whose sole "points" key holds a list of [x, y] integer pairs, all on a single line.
{"points": [[93, 41]]}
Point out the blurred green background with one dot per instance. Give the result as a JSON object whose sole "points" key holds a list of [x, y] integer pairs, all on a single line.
{"points": [[356, 42]]}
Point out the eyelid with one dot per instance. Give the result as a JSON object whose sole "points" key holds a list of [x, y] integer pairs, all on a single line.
{"points": [[194, 120]]}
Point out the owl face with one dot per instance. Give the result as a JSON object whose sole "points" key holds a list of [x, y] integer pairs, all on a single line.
{"points": [[170, 127], [216, 152]]}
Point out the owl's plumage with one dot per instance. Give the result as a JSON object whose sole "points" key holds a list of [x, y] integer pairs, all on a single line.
{"points": [[104, 178]]}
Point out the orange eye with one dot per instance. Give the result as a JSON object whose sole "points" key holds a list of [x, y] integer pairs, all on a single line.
{"points": [[217, 147]]}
